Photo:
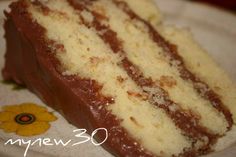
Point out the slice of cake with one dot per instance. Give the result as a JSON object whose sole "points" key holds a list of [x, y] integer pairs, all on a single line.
{"points": [[111, 64]]}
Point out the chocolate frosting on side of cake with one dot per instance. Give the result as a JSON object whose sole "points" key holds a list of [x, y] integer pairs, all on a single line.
{"points": [[30, 61]]}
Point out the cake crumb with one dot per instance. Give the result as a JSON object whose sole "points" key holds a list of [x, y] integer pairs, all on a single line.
{"points": [[120, 79], [167, 81], [217, 88], [95, 60], [135, 122], [142, 96]]}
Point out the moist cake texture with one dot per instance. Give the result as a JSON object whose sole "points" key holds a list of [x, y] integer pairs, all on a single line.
{"points": [[112, 64]]}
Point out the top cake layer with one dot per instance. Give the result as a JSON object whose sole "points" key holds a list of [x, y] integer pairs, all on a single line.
{"points": [[164, 90]]}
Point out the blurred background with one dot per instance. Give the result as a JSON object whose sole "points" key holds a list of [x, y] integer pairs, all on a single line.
{"points": [[226, 4]]}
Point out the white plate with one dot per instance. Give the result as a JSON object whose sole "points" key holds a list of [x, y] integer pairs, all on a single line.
{"points": [[214, 29]]}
